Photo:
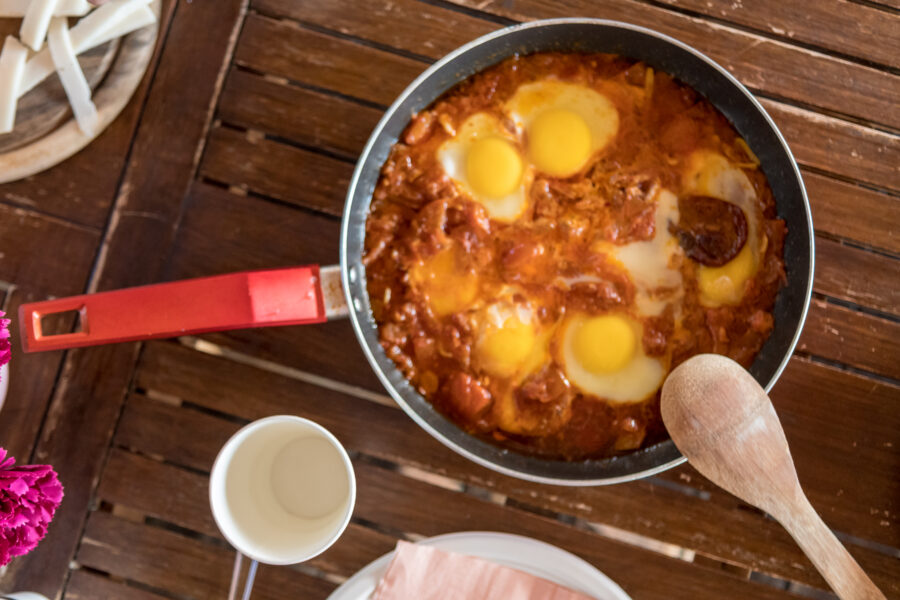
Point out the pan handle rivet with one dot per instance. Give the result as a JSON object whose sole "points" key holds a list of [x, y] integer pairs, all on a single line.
{"points": [[351, 272]]}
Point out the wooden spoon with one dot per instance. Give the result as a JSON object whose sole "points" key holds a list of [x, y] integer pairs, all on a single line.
{"points": [[724, 423]]}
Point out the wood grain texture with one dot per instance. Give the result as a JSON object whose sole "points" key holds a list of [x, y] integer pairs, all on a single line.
{"points": [[217, 222], [858, 276], [174, 495], [45, 107], [88, 398], [779, 68], [45, 253], [90, 586], [852, 338], [760, 63], [853, 212], [291, 174], [304, 116], [447, 511], [846, 27], [418, 27], [224, 232], [82, 189], [839, 147], [642, 507], [111, 96], [124, 486], [31, 381], [181, 565], [283, 49]]}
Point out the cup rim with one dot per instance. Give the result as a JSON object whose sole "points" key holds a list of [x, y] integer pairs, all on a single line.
{"points": [[216, 472]]}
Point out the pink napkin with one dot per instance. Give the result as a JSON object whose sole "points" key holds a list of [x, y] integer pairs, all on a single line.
{"points": [[426, 573]]}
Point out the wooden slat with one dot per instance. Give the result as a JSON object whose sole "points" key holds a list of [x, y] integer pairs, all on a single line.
{"points": [[190, 508], [853, 338], [417, 507], [843, 272], [182, 565], [298, 176], [223, 232], [851, 150], [853, 212], [88, 398], [31, 381], [207, 433], [45, 253], [779, 68], [283, 49], [175, 495], [839, 208], [302, 115], [735, 535], [839, 147], [82, 188], [410, 25], [858, 276], [89, 586], [842, 26], [843, 431]]}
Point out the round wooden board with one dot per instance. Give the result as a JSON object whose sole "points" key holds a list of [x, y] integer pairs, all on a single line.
{"points": [[44, 108], [45, 133]]}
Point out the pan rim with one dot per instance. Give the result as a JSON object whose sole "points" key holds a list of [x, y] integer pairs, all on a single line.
{"points": [[348, 274]]}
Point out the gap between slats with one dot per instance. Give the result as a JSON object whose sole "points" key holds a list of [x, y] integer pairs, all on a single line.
{"points": [[804, 422], [755, 71], [852, 287], [118, 491]]}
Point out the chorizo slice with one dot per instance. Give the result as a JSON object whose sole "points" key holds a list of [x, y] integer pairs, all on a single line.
{"points": [[711, 231]]}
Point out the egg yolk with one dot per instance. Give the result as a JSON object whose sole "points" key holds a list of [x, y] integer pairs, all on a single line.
{"points": [[559, 142], [503, 349], [447, 287], [604, 344], [725, 284], [493, 167]]}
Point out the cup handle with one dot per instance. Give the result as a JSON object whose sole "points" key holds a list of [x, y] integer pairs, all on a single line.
{"points": [[236, 576], [289, 296]]}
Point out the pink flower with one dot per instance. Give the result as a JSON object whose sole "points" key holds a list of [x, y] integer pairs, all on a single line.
{"points": [[5, 351], [29, 496]]}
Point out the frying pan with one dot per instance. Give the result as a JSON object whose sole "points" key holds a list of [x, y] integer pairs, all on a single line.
{"points": [[308, 294]]}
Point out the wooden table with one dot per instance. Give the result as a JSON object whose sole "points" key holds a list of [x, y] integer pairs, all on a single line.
{"points": [[236, 153]]}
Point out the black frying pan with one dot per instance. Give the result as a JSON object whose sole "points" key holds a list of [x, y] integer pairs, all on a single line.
{"points": [[305, 294]]}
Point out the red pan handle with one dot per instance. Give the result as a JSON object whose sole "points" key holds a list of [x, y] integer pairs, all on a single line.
{"points": [[291, 296]]}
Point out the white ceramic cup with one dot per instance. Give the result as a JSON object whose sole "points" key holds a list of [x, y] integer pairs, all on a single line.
{"points": [[282, 490]]}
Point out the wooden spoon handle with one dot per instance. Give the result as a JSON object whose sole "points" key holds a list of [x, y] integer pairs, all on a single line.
{"points": [[829, 556]]}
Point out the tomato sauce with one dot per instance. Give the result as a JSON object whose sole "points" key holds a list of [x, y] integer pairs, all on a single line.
{"points": [[417, 210]]}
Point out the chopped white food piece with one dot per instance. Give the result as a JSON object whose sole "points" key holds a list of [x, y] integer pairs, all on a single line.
{"points": [[64, 8], [91, 31], [34, 25], [12, 67], [76, 86], [141, 18]]}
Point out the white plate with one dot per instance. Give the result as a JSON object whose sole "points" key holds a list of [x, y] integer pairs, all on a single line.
{"points": [[514, 551]]}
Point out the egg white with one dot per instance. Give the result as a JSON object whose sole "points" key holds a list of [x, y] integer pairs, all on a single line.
{"points": [[452, 156], [635, 382]]}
